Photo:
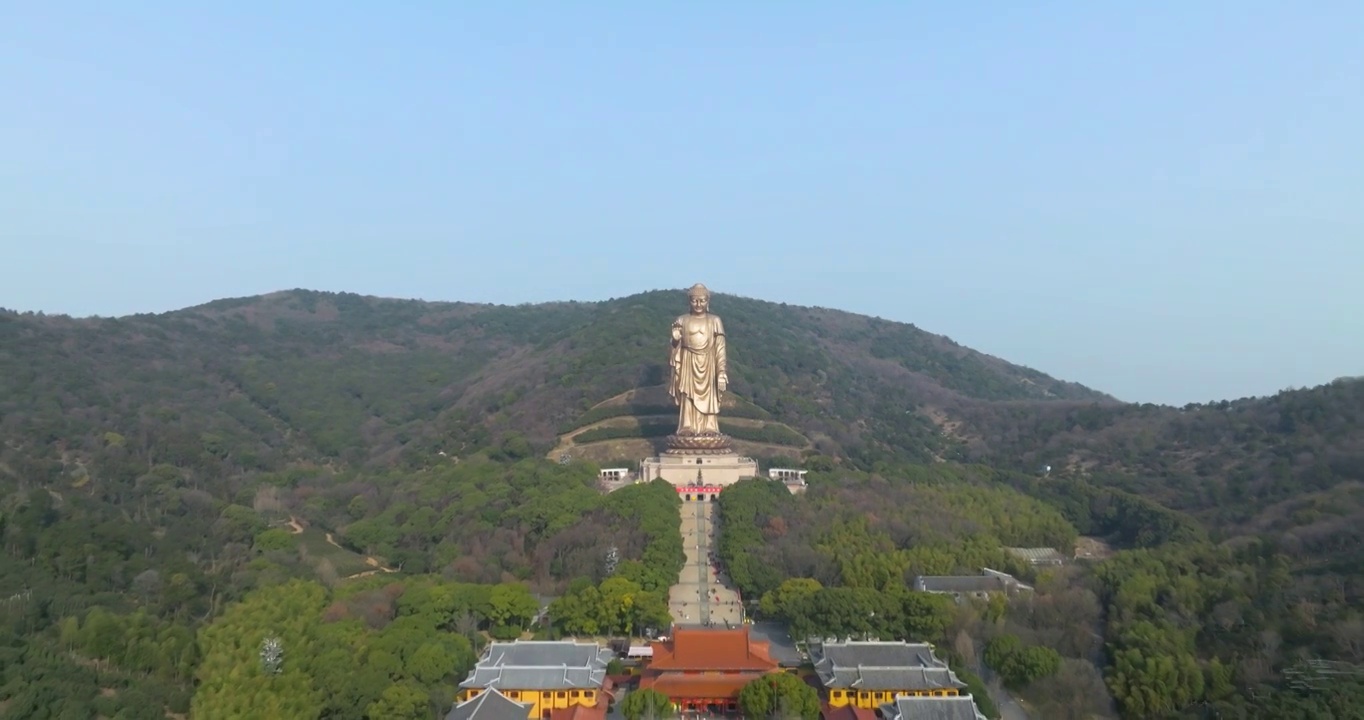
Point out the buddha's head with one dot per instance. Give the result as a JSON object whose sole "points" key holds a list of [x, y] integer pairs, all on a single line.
{"points": [[700, 298]]}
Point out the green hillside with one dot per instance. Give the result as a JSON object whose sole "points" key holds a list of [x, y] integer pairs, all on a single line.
{"points": [[163, 468]]}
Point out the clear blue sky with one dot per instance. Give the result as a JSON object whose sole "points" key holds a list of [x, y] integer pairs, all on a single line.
{"points": [[1161, 200]]}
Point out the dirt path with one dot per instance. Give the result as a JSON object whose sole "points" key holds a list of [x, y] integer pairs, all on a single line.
{"points": [[369, 560], [565, 441], [296, 528]]}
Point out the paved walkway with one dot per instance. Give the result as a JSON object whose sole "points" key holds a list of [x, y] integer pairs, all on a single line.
{"points": [[702, 596]]}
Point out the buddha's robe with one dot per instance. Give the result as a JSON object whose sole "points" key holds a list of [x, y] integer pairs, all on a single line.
{"points": [[698, 361]]}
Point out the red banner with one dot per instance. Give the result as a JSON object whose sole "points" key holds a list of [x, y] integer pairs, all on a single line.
{"points": [[699, 488]]}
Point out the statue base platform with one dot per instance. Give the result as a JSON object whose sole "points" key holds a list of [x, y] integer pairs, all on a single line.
{"points": [[708, 444], [698, 473]]}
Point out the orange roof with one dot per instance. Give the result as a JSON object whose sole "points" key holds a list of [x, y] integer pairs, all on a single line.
{"points": [[847, 712], [579, 712], [678, 687], [709, 649]]}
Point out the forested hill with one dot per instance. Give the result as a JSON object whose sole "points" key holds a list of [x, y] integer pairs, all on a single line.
{"points": [[262, 383], [163, 476], [309, 375]]}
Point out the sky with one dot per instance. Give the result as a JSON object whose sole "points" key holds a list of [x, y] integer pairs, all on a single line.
{"points": [[1160, 200]]}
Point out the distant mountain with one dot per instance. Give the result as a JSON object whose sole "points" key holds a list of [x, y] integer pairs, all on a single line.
{"points": [[1242, 465]]}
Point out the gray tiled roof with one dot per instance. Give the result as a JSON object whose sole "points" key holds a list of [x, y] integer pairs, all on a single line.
{"points": [[879, 654], [909, 678], [538, 665], [882, 666], [545, 652], [920, 678], [1038, 554], [958, 583], [961, 707], [491, 705]]}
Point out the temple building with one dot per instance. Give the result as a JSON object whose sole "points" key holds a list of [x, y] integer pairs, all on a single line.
{"points": [[963, 587], [689, 472], [563, 680], [703, 670], [867, 675], [489, 705], [908, 707]]}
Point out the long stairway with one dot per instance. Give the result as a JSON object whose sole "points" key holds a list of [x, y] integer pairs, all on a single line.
{"points": [[702, 596]]}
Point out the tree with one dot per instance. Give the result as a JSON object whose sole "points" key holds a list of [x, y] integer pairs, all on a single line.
{"points": [[233, 684], [1075, 692], [401, 701], [1000, 649], [1020, 666], [782, 696], [512, 604], [965, 647], [274, 539], [516, 447], [647, 704], [927, 615], [784, 601]]}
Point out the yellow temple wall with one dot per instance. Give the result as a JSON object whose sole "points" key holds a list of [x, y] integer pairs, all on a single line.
{"points": [[543, 699], [872, 699]]}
